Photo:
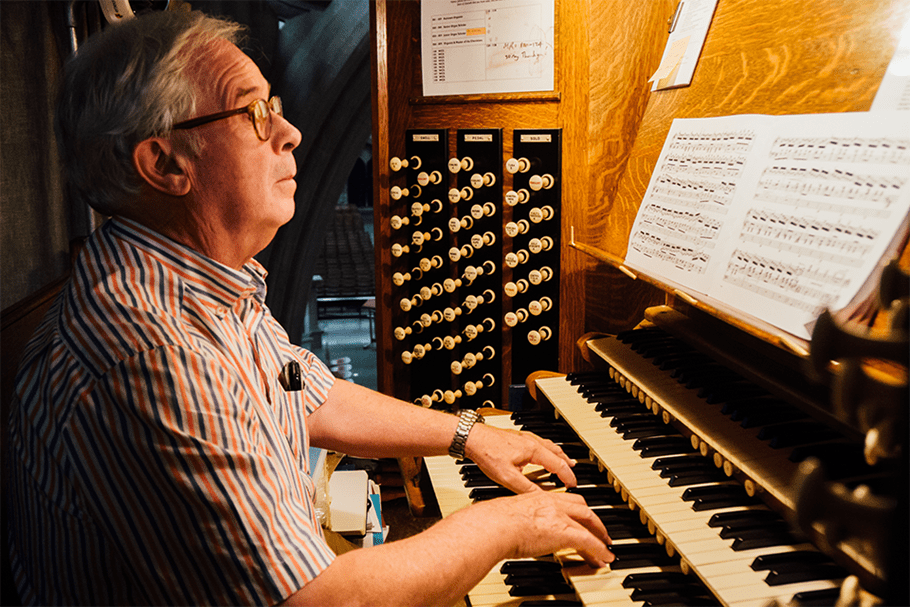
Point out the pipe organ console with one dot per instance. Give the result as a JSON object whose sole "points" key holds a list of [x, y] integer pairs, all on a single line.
{"points": [[476, 240], [727, 469], [733, 467]]}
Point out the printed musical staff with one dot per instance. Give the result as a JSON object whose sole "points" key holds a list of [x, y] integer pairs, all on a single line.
{"points": [[687, 259], [792, 184], [839, 243], [802, 287], [884, 150]]}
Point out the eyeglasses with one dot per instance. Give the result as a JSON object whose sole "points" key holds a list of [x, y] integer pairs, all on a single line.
{"points": [[259, 111]]}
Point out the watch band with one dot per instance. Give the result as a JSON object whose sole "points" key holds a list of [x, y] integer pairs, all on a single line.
{"points": [[466, 420]]}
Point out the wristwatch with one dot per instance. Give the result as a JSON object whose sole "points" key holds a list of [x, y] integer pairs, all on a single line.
{"points": [[466, 420]]}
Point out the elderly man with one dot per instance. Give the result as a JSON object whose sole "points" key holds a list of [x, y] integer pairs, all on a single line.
{"points": [[159, 446]]}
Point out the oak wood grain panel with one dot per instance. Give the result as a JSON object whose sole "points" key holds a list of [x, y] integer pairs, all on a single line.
{"points": [[626, 43], [574, 56]]}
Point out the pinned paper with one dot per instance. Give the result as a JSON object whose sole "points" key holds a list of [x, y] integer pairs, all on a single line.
{"points": [[671, 60], [688, 29]]}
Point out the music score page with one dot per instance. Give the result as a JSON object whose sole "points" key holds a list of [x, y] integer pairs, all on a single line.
{"points": [[777, 217]]}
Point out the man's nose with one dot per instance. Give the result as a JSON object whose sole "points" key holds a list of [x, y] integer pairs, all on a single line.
{"points": [[288, 136]]}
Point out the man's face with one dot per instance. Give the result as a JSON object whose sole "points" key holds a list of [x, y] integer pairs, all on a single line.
{"points": [[243, 188]]}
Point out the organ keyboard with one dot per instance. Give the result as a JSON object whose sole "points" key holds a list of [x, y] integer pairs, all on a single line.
{"points": [[643, 572], [701, 457]]}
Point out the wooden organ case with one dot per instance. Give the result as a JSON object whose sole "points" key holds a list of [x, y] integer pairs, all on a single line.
{"points": [[832, 492]]}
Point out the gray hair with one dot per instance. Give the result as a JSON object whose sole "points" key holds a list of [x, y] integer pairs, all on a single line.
{"points": [[127, 84]]}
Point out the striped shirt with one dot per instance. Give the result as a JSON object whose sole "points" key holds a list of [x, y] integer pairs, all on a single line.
{"points": [[155, 457]]}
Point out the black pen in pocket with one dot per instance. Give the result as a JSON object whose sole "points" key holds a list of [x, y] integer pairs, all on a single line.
{"points": [[290, 378]]}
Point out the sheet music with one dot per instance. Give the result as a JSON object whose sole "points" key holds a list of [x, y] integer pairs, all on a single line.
{"points": [[776, 216]]}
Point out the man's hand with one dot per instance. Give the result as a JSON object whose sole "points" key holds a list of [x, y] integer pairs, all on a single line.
{"points": [[503, 455], [543, 522]]}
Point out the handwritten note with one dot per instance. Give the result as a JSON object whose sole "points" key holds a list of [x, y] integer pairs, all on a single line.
{"points": [[776, 217], [487, 46]]}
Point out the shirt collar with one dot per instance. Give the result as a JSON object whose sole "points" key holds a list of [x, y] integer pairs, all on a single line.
{"points": [[214, 282]]}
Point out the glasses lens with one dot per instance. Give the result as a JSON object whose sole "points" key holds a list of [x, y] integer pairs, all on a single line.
{"points": [[275, 104], [261, 119]]}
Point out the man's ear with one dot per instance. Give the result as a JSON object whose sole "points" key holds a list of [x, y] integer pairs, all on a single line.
{"points": [[161, 166]]}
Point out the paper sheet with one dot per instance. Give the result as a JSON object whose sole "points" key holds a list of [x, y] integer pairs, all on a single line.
{"points": [[776, 216], [684, 44], [894, 91], [487, 46]]}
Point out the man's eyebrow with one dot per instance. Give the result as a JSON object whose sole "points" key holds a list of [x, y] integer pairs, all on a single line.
{"points": [[244, 92]]}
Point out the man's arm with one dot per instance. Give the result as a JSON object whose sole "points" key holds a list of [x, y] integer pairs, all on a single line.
{"points": [[359, 421], [440, 565]]}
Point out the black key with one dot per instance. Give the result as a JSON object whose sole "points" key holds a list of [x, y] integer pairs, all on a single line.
{"points": [[662, 463], [714, 497], [657, 429], [607, 389], [675, 440], [487, 493], [724, 519], [613, 410], [771, 526], [820, 598], [657, 579], [767, 562], [712, 491], [598, 496], [631, 425], [749, 539], [630, 417], [703, 505], [618, 516], [575, 377], [543, 567], [550, 603], [575, 450], [626, 532], [704, 470], [821, 571], [663, 445], [536, 589], [634, 556], [620, 398], [689, 479]]}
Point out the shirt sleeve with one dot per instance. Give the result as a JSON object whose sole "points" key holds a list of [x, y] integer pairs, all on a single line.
{"points": [[191, 472]]}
